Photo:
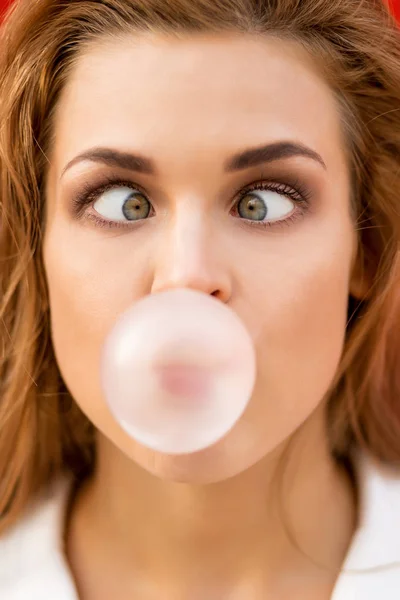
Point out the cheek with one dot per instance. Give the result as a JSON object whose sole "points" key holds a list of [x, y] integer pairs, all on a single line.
{"points": [[88, 292], [300, 335]]}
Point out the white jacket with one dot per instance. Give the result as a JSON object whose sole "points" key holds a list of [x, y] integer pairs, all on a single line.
{"points": [[32, 565]]}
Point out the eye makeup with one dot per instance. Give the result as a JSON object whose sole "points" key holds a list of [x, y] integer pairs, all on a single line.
{"points": [[83, 200]]}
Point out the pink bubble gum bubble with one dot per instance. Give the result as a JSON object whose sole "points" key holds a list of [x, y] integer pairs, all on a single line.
{"points": [[189, 382], [178, 370]]}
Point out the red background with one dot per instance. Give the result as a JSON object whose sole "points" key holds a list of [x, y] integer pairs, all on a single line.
{"points": [[3, 4], [396, 8], [394, 3]]}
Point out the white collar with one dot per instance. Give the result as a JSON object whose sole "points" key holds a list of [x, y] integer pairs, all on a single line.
{"points": [[32, 562], [376, 542]]}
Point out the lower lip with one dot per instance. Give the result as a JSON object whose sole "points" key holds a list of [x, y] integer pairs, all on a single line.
{"points": [[184, 381]]}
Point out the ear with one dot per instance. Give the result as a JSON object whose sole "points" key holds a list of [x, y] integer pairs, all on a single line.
{"points": [[361, 277]]}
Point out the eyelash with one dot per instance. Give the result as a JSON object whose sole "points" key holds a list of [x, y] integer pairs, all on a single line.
{"points": [[91, 192]]}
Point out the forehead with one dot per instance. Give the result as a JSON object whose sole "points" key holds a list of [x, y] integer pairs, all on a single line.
{"points": [[159, 93]]}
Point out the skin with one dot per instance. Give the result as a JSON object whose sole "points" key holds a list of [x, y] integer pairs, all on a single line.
{"points": [[207, 525]]}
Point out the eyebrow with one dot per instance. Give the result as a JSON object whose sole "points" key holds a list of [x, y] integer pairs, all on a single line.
{"points": [[246, 159], [270, 153]]}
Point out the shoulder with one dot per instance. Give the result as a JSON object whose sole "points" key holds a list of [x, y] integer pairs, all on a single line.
{"points": [[377, 541], [371, 570], [31, 555]]}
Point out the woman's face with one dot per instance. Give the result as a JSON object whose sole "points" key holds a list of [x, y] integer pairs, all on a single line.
{"points": [[243, 192]]}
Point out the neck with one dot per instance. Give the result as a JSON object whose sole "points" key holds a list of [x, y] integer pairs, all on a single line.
{"points": [[133, 527]]}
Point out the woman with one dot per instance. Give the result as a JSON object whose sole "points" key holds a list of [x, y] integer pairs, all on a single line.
{"points": [[246, 149]]}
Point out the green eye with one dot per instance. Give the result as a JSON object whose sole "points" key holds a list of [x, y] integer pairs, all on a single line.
{"points": [[136, 207], [252, 207], [123, 204], [265, 205]]}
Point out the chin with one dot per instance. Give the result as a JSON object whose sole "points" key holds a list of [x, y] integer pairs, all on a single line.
{"points": [[212, 465]]}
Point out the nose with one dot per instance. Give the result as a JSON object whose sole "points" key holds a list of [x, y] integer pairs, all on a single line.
{"points": [[191, 255]]}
